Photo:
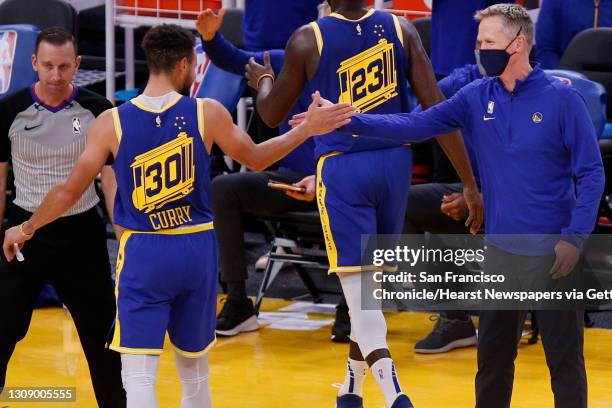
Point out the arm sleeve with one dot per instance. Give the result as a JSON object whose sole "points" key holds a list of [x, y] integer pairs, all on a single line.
{"points": [[413, 127], [548, 37], [587, 168], [229, 58]]}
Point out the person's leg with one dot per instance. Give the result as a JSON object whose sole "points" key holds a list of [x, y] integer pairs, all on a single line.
{"points": [[139, 375], [20, 284], [19, 287], [341, 329], [232, 195], [192, 318], [453, 328], [193, 373], [369, 332], [356, 370], [83, 282], [563, 339], [348, 212], [499, 332], [144, 292], [423, 212]]}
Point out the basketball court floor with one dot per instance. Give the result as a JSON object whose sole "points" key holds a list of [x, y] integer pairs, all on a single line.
{"points": [[301, 368]]}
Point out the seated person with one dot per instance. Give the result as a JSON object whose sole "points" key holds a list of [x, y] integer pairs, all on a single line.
{"points": [[439, 208], [560, 20], [237, 193]]}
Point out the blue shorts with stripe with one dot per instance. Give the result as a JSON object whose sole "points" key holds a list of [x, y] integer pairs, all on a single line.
{"points": [[361, 193], [166, 282]]}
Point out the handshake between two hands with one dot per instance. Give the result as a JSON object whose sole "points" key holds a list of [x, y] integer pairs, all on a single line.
{"points": [[323, 116]]}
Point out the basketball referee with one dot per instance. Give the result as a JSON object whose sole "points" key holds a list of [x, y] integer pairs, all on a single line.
{"points": [[43, 130]]}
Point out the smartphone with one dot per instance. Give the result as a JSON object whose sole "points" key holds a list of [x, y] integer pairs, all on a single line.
{"points": [[279, 185]]}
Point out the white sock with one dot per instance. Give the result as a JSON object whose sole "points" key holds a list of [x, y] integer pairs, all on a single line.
{"points": [[355, 374], [194, 379], [384, 372]]}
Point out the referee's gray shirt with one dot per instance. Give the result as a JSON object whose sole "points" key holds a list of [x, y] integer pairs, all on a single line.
{"points": [[44, 143]]}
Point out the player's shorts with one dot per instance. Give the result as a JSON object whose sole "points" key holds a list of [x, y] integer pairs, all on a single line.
{"points": [[166, 281], [362, 193]]}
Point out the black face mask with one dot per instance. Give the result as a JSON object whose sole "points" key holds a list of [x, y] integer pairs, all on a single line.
{"points": [[494, 62]]}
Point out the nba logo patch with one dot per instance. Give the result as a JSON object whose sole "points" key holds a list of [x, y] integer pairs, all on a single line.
{"points": [[202, 63], [490, 107], [8, 45], [76, 125]]}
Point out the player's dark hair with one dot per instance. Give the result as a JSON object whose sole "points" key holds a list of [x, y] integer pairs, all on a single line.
{"points": [[56, 36], [166, 45]]}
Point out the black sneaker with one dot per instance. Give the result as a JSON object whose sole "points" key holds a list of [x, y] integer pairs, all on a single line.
{"points": [[446, 335], [342, 325], [236, 316]]}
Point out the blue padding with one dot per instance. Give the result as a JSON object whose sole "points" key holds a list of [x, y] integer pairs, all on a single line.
{"points": [[17, 44], [607, 133], [222, 86], [593, 93]]}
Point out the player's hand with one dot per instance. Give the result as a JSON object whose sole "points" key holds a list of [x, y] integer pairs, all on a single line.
{"points": [[12, 236], [254, 71], [473, 200], [320, 119], [308, 183], [454, 206], [567, 256], [209, 23], [299, 117]]}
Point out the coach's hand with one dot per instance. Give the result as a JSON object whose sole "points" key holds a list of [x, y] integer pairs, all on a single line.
{"points": [[12, 236], [256, 73], [209, 23], [567, 257], [321, 119], [308, 183], [473, 200]]}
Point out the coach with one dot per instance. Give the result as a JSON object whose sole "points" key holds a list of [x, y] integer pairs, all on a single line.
{"points": [[43, 129], [540, 172]]}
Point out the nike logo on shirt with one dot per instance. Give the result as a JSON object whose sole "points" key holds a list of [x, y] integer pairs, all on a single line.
{"points": [[485, 118], [32, 127]]}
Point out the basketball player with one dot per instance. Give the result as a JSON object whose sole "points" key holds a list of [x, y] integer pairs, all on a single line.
{"points": [[167, 265], [364, 58]]}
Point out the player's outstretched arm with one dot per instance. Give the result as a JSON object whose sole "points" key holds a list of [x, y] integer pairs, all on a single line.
{"points": [[237, 144], [275, 98], [407, 127], [223, 53], [101, 142]]}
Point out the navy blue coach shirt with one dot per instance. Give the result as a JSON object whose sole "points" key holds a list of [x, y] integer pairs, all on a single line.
{"points": [[537, 152]]}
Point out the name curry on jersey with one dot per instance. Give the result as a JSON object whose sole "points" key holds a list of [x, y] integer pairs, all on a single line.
{"points": [[163, 175]]}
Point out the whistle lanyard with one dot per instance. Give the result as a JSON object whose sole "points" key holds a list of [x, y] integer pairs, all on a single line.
{"points": [[596, 17]]}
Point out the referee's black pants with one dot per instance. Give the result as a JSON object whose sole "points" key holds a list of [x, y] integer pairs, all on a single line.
{"points": [[70, 254], [499, 332]]}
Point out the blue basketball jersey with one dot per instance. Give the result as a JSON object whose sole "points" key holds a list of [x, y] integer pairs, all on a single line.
{"points": [[162, 166], [362, 62]]}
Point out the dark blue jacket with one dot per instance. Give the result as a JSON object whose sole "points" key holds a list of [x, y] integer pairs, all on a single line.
{"points": [[560, 20], [537, 152], [227, 57], [449, 87]]}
